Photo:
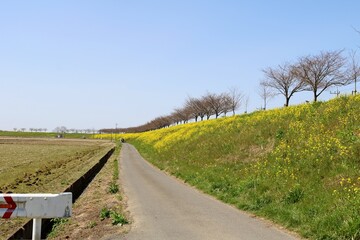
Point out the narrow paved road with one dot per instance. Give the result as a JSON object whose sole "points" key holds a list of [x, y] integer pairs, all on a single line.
{"points": [[163, 208]]}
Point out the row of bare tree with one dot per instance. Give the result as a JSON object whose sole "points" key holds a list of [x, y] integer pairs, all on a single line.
{"points": [[315, 73], [24, 129], [37, 129], [211, 104]]}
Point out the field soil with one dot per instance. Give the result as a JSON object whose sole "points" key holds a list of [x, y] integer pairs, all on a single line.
{"points": [[34, 165]]}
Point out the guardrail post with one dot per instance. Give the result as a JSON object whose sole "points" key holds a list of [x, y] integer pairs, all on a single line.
{"points": [[36, 234], [37, 206]]}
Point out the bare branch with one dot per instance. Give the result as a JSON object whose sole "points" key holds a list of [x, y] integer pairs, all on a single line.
{"points": [[265, 93], [322, 71], [283, 80], [235, 98]]}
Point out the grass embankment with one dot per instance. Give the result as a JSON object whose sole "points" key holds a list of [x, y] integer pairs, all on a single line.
{"points": [[44, 165], [298, 166]]}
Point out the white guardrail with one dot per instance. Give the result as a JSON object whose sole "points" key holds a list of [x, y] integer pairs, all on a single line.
{"points": [[36, 206]]}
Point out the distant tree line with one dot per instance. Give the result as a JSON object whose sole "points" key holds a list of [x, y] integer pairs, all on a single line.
{"points": [[37, 129], [196, 109], [61, 129]]}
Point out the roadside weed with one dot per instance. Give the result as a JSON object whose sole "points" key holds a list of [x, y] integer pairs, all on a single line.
{"points": [[113, 188], [116, 217], [105, 213]]}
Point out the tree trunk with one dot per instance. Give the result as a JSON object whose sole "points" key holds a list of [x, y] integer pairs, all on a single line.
{"points": [[315, 96], [287, 102]]}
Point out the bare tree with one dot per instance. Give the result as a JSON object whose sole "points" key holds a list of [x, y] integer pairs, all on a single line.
{"points": [[201, 108], [176, 117], [159, 122], [235, 99], [227, 103], [61, 129], [283, 80], [196, 108], [322, 71], [354, 70], [215, 102], [181, 114], [265, 93], [208, 110]]}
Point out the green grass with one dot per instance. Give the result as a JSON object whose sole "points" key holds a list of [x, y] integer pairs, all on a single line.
{"points": [[298, 166]]}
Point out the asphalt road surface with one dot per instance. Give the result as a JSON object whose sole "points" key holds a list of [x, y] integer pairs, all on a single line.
{"points": [[164, 208]]}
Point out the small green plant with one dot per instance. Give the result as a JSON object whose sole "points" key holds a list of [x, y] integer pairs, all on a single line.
{"points": [[58, 224], [113, 188], [280, 134], [105, 213], [92, 224], [294, 195], [119, 197], [118, 218]]}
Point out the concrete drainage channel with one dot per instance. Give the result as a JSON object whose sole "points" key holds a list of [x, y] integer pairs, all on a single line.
{"points": [[76, 188]]}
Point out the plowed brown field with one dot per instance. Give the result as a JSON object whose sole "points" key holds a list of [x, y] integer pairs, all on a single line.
{"points": [[43, 166]]}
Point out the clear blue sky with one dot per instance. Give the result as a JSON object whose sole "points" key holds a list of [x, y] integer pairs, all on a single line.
{"points": [[92, 64]]}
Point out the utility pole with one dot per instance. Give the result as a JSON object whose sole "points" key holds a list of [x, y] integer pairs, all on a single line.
{"points": [[355, 70], [246, 104], [337, 92], [354, 92]]}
